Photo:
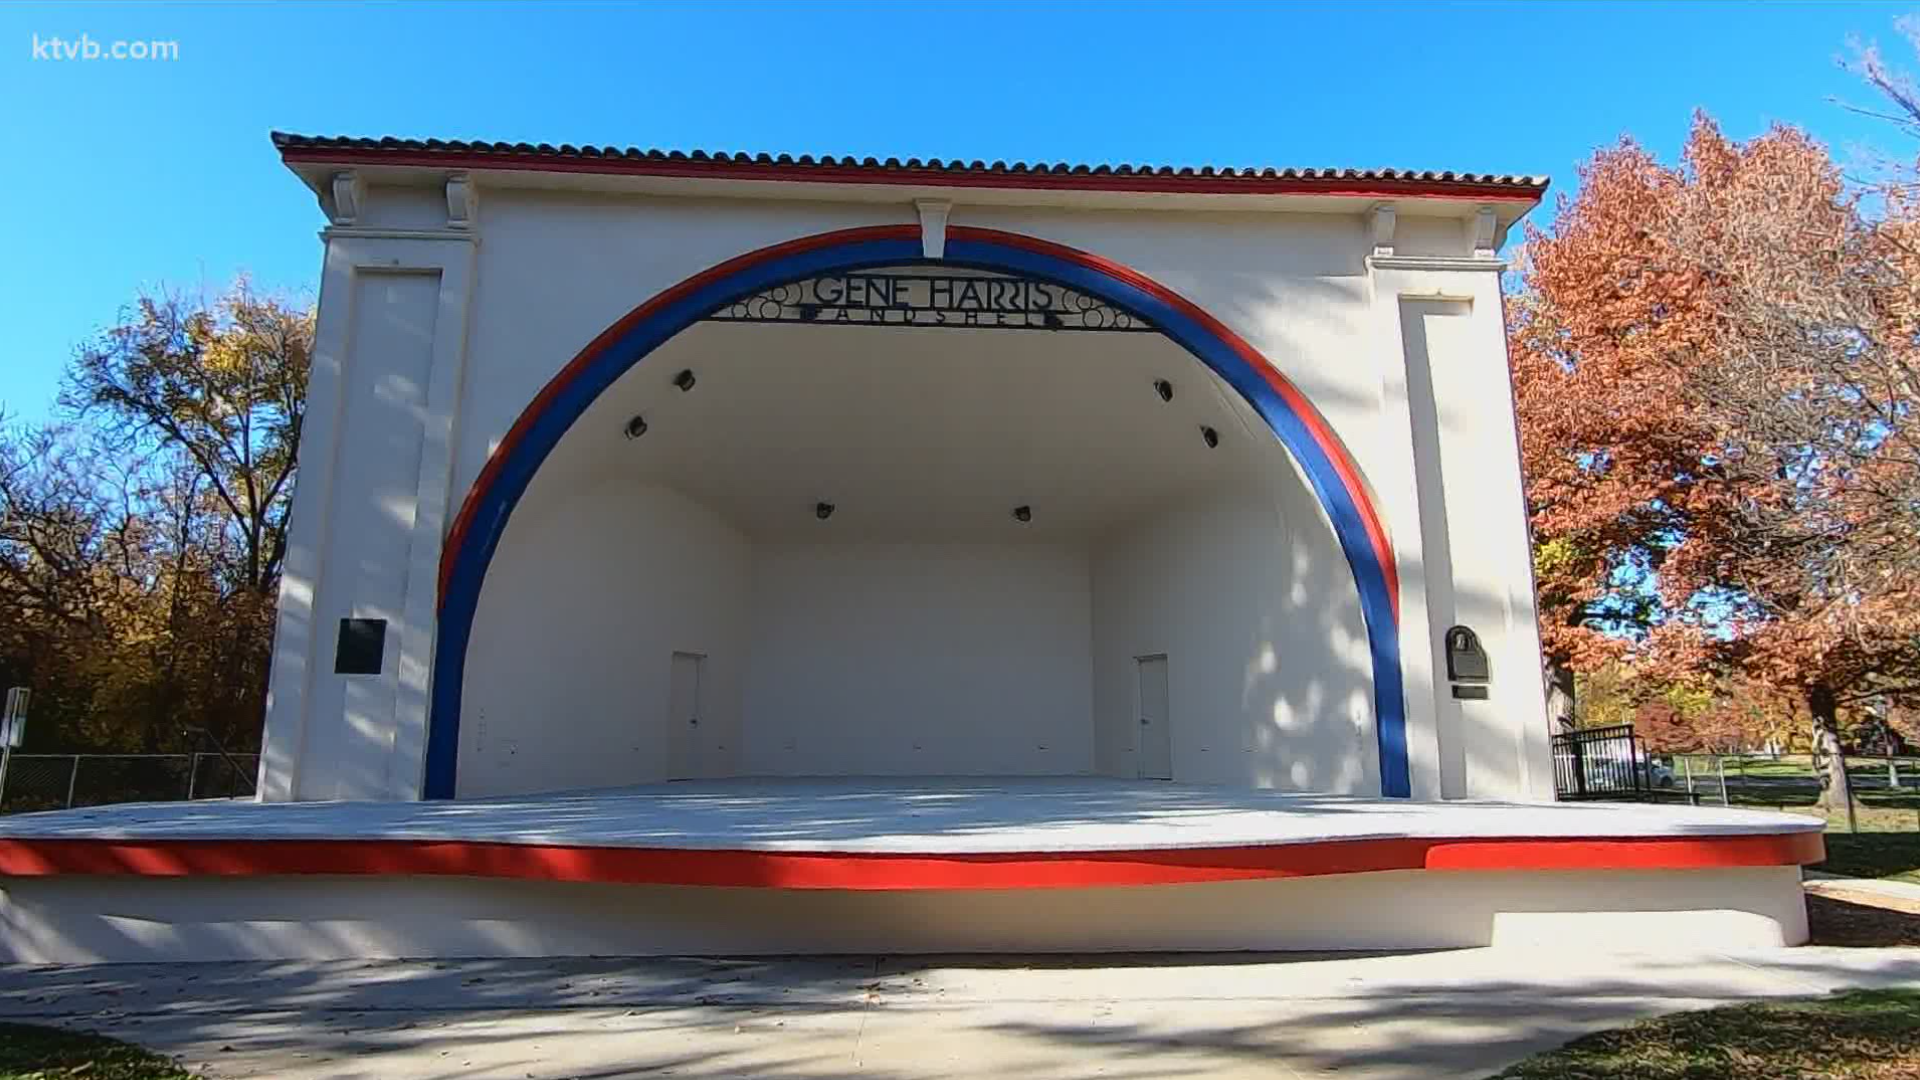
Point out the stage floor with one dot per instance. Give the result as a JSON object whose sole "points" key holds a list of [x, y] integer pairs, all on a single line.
{"points": [[767, 866], [892, 833], [881, 815]]}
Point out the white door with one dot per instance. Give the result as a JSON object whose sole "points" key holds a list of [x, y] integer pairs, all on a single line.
{"points": [[1156, 742], [683, 716]]}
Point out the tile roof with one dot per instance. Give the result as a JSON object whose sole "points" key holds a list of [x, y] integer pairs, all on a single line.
{"points": [[935, 171]]}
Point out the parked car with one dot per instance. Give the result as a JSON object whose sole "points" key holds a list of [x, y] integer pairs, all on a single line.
{"points": [[1608, 769], [1659, 774]]}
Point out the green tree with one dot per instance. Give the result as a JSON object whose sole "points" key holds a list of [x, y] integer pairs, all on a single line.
{"points": [[225, 385], [141, 540]]}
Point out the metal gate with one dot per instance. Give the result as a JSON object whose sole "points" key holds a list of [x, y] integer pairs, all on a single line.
{"points": [[1600, 763]]}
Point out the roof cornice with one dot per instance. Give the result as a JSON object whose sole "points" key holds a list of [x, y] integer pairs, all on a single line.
{"points": [[1130, 179]]}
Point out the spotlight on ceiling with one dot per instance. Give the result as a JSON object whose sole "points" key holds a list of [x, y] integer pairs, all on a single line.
{"points": [[1164, 389], [1023, 514], [684, 381], [1212, 436], [636, 427], [823, 510]]}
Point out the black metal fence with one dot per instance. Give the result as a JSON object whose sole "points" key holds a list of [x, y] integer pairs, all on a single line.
{"points": [[1601, 763]]}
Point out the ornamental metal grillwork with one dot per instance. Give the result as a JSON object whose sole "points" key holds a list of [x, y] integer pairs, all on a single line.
{"points": [[942, 301]]}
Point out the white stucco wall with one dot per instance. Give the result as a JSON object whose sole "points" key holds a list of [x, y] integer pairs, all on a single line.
{"points": [[569, 667], [1251, 602], [557, 269], [59, 920], [920, 659], [820, 659], [1477, 576], [910, 658]]}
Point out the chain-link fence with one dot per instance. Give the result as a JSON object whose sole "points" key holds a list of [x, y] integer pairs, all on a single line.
{"points": [[56, 781], [1886, 790]]}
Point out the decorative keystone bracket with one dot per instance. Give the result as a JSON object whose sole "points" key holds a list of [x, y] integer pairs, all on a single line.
{"points": [[1383, 221], [344, 198], [933, 226], [1482, 228], [463, 201]]}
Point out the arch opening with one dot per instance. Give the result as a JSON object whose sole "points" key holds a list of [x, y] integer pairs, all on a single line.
{"points": [[736, 466]]}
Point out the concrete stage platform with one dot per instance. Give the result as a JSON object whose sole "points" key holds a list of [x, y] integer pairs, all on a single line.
{"points": [[903, 865]]}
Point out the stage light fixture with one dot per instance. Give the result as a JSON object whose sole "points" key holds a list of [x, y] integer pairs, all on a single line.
{"points": [[684, 380], [823, 510], [1212, 436], [1164, 389], [1023, 514], [636, 427]]}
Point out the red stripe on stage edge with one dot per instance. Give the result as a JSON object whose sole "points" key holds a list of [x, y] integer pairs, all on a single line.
{"points": [[840, 870]]}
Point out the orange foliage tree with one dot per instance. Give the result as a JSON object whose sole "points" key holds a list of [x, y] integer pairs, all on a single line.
{"points": [[1610, 450], [1714, 365]]}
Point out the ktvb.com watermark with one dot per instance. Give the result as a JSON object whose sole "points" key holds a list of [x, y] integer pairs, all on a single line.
{"points": [[85, 47]]}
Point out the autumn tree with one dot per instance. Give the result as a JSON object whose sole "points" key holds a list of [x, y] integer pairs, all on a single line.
{"points": [[141, 539], [1713, 363], [1809, 377], [1610, 453], [224, 384]]}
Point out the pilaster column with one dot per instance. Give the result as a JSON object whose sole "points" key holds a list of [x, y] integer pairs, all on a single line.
{"points": [[1459, 521], [364, 543]]}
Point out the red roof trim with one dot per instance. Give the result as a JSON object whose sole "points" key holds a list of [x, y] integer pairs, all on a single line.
{"points": [[1527, 192]]}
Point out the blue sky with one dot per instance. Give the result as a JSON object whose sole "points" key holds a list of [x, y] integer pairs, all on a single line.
{"points": [[119, 175]]}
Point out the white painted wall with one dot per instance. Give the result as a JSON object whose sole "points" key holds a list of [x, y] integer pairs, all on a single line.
{"points": [[920, 659], [392, 319], [77, 919], [821, 659], [568, 671], [377, 440], [1251, 601], [1478, 574], [369, 509], [870, 657]]}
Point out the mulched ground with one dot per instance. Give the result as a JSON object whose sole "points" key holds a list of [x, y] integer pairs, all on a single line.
{"points": [[28, 1052], [1839, 916]]}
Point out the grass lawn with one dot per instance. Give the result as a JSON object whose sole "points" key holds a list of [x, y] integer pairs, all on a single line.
{"points": [[1861, 1035], [1873, 855], [42, 1053]]}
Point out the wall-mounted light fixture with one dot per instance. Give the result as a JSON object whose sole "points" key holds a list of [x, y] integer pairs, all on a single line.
{"points": [[1211, 436], [1023, 514], [636, 427], [1164, 389], [684, 380], [823, 510]]}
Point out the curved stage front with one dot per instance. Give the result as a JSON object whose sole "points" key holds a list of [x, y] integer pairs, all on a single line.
{"points": [[893, 865]]}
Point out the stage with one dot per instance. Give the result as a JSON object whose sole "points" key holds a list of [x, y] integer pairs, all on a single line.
{"points": [[907, 865]]}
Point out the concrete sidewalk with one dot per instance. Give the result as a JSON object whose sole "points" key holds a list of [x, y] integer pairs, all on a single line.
{"points": [[1440, 1014], [1897, 890]]}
